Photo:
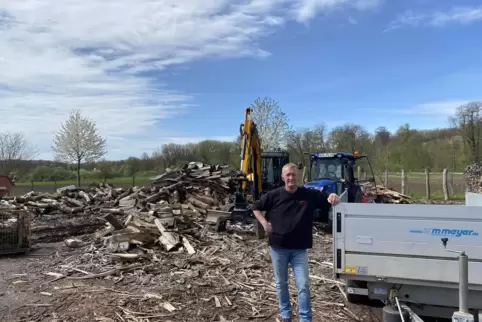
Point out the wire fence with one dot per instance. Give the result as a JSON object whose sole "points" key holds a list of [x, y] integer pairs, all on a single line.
{"points": [[426, 185]]}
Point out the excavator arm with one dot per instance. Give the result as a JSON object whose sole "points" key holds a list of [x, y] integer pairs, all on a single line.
{"points": [[251, 156], [250, 178], [250, 181]]}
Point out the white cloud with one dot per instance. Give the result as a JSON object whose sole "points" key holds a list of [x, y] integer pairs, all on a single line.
{"points": [[88, 54], [352, 21], [459, 14], [431, 109], [442, 108], [184, 140], [305, 10]]}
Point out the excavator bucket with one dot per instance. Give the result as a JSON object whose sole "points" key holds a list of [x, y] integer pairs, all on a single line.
{"points": [[220, 217], [214, 215]]}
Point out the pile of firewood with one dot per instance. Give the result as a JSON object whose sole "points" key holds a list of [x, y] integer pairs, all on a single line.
{"points": [[74, 211], [473, 178], [168, 226], [199, 185], [387, 195], [196, 186]]}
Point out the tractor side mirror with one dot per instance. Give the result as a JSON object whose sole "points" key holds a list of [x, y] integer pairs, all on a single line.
{"points": [[300, 165]]}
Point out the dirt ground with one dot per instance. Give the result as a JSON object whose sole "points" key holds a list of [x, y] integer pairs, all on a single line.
{"points": [[28, 293]]}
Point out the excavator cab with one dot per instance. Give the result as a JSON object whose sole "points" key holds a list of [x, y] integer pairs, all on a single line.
{"points": [[271, 164]]}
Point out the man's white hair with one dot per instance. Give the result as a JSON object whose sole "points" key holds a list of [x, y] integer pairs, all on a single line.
{"points": [[289, 166]]}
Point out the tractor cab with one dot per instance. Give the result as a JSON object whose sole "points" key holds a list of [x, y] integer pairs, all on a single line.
{"points": [[333, 173]]}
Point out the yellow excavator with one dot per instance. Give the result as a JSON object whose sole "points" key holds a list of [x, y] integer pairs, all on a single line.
{"points": [[259, 173]]}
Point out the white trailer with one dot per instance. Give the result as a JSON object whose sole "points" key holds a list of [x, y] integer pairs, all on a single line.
{"points": [[392, 252]]}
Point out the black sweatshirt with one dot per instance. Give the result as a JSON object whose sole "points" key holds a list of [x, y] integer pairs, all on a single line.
{"points": [[291, 215]]}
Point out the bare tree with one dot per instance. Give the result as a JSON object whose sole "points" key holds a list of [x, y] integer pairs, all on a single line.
{"points": [[307, 141], [78, 141], [350, 138], [272, 123], [14, 149], [468, 120], [174, 153]]}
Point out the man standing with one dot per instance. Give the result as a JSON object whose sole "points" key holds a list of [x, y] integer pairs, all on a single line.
{"points": [[289, 226]]}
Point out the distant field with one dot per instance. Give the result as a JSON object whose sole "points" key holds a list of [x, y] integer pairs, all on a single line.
{"points": [[65, 183], [415, 185], [51, 186]]}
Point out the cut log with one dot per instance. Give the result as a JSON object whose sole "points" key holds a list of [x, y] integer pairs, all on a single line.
{"points": [[196, 202], [114, 221], [168, 239]]}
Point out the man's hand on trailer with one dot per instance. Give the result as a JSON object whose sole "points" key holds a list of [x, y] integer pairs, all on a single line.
{"points": [[333, 199]]}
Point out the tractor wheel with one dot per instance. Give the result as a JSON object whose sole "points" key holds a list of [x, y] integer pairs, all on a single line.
{"points": [[328, 227], [326, 224], [319, 216]]}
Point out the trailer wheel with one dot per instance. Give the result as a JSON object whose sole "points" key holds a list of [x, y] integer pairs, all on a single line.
{"points": [[391, 314], [355, 298]]}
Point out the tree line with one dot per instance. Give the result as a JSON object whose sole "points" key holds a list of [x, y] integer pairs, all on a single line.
{"points": [[79, 150]]}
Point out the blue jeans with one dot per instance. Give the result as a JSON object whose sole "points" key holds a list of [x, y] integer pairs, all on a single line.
{"points": [[298, 259]]}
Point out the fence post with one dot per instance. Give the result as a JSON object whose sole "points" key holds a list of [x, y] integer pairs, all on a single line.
{"points": [[358, 173], [445, 184], [31, 184], [404, 179], [385, 179], [133, 181], [365, 176], [427, 184]]}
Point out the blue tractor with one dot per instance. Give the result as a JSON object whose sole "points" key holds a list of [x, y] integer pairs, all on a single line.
{"points": [[334, 172]]}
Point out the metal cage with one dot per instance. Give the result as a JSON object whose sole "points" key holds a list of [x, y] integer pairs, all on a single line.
{"points": [[15, 231]]}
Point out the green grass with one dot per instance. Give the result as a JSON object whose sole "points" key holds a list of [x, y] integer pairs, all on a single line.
{"points": [[123, 180], [437, 196]]}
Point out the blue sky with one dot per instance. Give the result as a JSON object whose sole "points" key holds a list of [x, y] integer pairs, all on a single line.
{"points": [[176, 72]]}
